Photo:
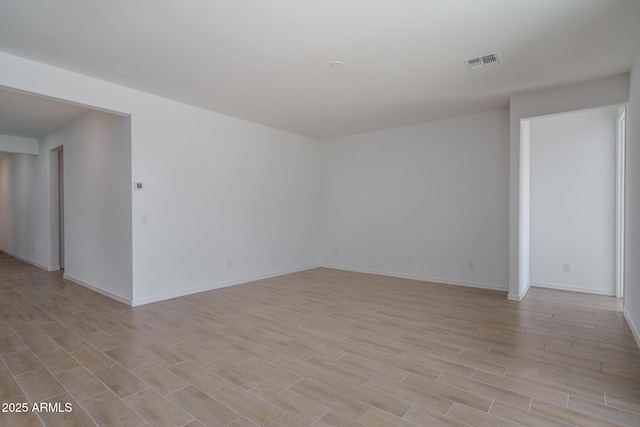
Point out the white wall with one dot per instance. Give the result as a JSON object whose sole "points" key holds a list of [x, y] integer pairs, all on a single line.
{"points": [[225, 191], [436, 192], [573, 188], [17, 144], [632, 217], [17, 209], [217, 189], [599, 93], [524, 229], [97, 203]]}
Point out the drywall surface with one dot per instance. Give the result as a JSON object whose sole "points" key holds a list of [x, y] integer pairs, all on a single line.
{"points": [[17, 144], [524, 230], [599, 93], [573, 187], [18, 182], [97, 203], [428, 201], [225, 201], [632, 214], [97, 200]]}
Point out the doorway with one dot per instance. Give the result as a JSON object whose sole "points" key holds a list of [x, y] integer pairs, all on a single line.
{"points": [[565, 262]]}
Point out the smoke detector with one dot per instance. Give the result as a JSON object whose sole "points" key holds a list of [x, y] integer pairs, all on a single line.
{"points": [[482, 61]]}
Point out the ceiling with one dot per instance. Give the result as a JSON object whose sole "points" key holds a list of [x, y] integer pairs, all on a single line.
{"points": [[31, 116], [267, 61]]}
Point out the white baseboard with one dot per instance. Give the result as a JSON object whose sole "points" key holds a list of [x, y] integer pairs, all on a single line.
{"points": [[98, 290], [489, 286], [36, 264], [181, 293], [634, 329], [519, 297], [611, 293]]}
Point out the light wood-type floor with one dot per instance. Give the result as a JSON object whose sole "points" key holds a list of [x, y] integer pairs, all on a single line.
{"points": [[322, 348]]}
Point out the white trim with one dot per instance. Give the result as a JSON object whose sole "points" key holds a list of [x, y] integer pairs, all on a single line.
{"points": [[489, 286], [611, 293], [181, 293], [520, 296], [524, 211], [632, 326], [620, 200], [27, 260], [97, 290]]}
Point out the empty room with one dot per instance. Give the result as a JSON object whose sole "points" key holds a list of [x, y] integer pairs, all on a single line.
{"points": [[320, 213]]}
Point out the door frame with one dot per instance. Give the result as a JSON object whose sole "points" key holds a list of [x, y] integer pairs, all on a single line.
{"points": [[524, 218], [56, 208], [620, 198]]}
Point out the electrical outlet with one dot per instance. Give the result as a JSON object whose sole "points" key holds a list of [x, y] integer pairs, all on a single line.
{"points": [[471, 265], [566, 268], [144, 219], [229, 265], [410, 260], [335, 252]]}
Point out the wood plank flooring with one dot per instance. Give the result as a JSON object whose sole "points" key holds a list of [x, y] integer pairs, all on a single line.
{"points": [[316, 348]]}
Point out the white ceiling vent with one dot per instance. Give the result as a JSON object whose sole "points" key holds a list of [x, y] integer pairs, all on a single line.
{"points": [[483, 61]]}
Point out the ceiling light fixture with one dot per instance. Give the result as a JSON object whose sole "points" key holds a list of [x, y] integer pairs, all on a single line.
{"points": [[336, 64]]}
